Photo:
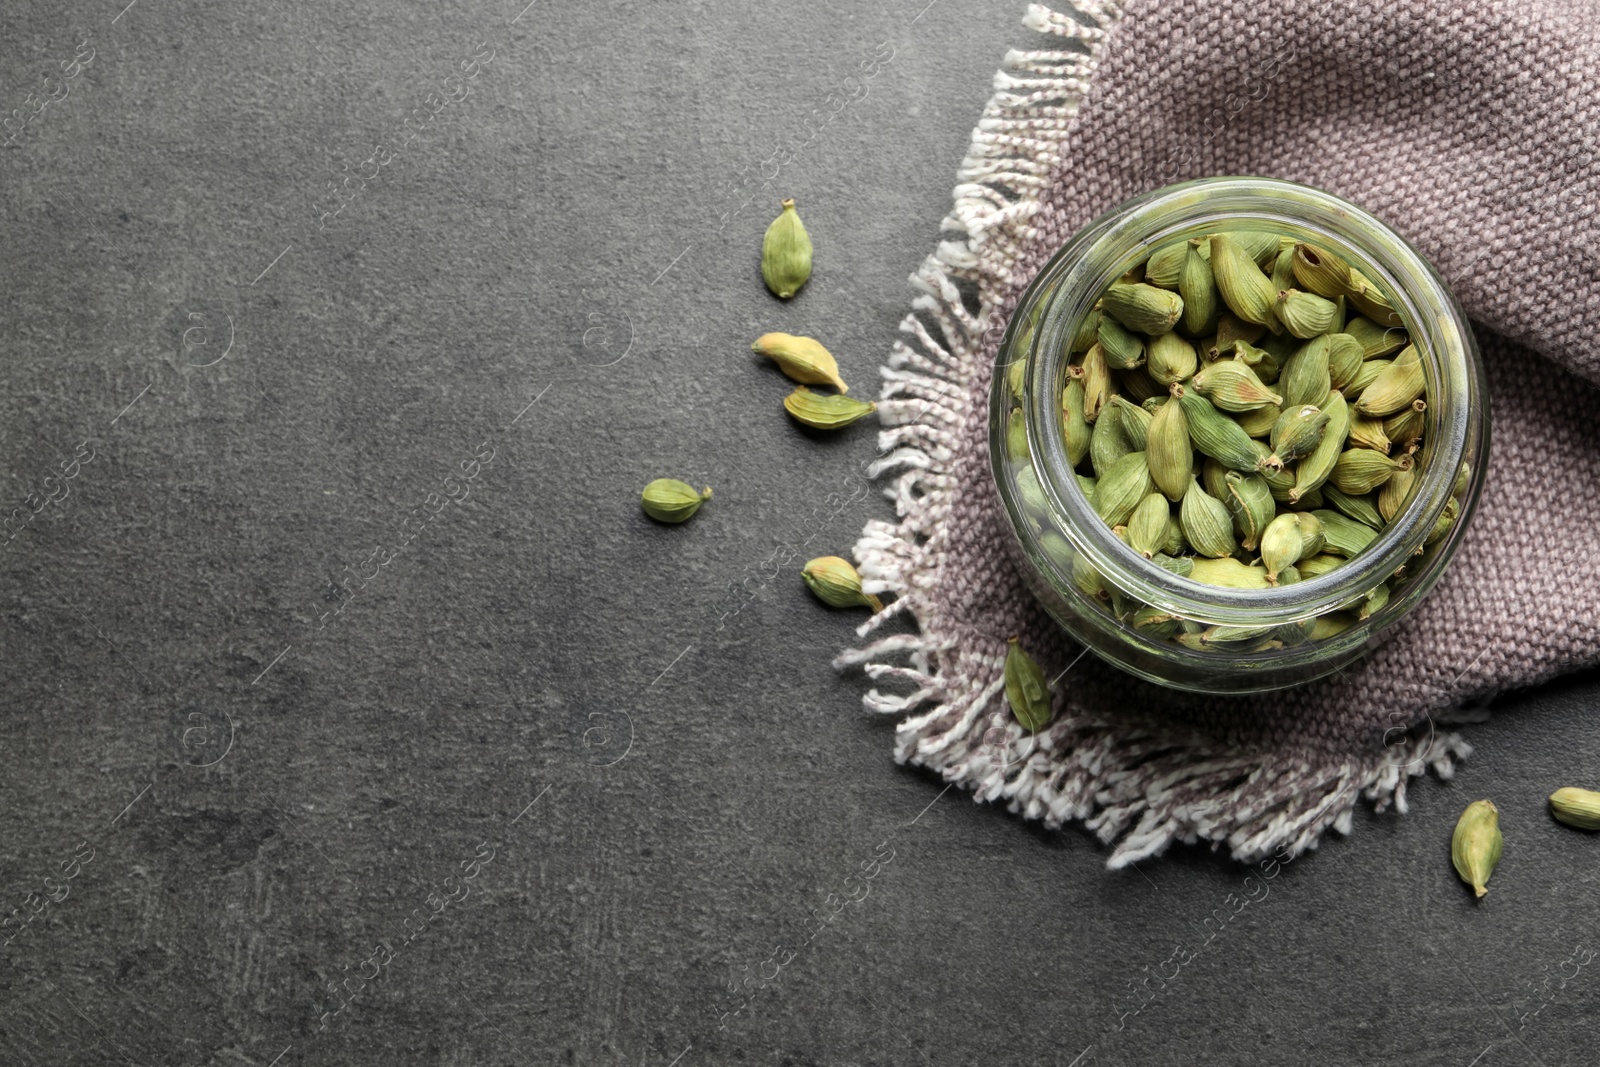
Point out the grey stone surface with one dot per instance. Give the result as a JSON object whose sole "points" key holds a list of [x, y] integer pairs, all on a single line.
{"points": [[609, 759]]}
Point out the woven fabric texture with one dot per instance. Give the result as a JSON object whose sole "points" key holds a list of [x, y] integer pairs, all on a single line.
{"points": [[1472, 131]]}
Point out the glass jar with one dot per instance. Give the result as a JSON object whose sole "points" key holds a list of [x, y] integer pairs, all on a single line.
{"points": [[1095, 586]]}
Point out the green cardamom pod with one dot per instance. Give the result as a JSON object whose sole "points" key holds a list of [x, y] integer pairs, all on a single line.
{"points": [[837, 583], [1312, 534], [1108, 442], [1361, 508], [1297, 433], [1179, 565], [1365, 376], [1463, 479], [1250, 501], [1057, 551], [1216, 435], [1155, 623], [1166, 264], [1096, 382], [1314, 469], [1231, 329], [1145, 308], [1346, 357], [1476, 845], [1310, 502], [1121, 488], [1016, 437], [803, 359], [1213, 478], [1147, 526], [1014, 373], [1032, 493], [1374, 602], [1259, 423], [1303, 314], [1074, 427], [1305, 378], [1366, 431], [1087, 580], [1229, 573], [1376, 341], [1399, 384], [1445, 522], [1397, 490], [1169, 451], [1361, 470], [1138, 386], [830, 411], [1264, 363], [1320, 271], [1135, 421], [1231, 385], [1576, 807], [1240, 282], [786, 253], [669, 500], [1261, 246], [1344, 536], [1123, 350], [1026, 690], [1174, 543], [1281, 544], [1170, 359], [1282, 273], [1328, 626], [1405, 428], [1371, 301], [1086, 485], [1206, 524], [1197, 287], [1318, 565]]}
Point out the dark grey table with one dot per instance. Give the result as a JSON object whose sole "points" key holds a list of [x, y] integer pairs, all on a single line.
{"points": [[338, 656]]}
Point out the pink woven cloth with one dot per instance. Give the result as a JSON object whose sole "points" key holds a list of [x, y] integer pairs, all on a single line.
{"points": [[1471, 130]]}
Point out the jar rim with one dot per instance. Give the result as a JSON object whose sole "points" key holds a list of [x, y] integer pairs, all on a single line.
{"points": [[1107, 247]]}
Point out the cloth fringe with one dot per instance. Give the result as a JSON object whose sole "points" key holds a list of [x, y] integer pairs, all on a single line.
{"points": [[1139, 788]]}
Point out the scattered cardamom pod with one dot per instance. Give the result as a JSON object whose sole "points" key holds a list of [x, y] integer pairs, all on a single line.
{"points": [[803, 359], [1476, 845], [831, 411], [786, 253], [1576, 807], [837, 584], [669, 500], [1026, 689]]}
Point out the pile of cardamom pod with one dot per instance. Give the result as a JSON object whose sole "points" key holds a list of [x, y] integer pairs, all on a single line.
{"points": [[1246, 411]]}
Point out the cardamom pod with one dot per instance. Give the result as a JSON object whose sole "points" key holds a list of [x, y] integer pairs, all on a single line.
{"points": [[1032, 493], [1344, 536], [1135, 421], [1399, 384], [1108, 442], [1231, 385], [1361, 508], [1206, 524], [1153, 622], [1123, 349], [1281, 544], [1315, 468], [1250, 501], [1281, 274], [669, 500], [803, 359], [1261, 246], [1305, 378], [1320, 271], [1214, 434], [1014, 374], [1229, 573], [1405, 428], [1087, 333], [1576, 807], [1264, 363], [1366, 431], [1371, 301], [1476, 845], [1174, 545], [1232, 329], [1324, 627], [1198, 288], [1373, 602], [830, 411], [1145, 308], [1087, 580], [837, 583], [1086, 486], [1026, 689], [1179, 565], [1463, 479], [1147, 526], [1169, 451], [1361, 470], [1397, 490], [1445, 522], [1121, 488], [1376, 341], [1096, 382], [786, 253], [1057, 551], [1297, 433], [1138, 386], [1305, 315], [1318, 565], [1074, 427], [1165, 265], [1017, 449], [1214, 478], [1365, 376], [1346, 357], [1170, 359], [1240, 282], [1259, 423]]}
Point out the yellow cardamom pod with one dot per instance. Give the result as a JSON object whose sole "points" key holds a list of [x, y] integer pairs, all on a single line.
{"points": [[1476, 845], [1026, 690], [1576, 807], [802, 358], [786, 253], [669, 500], [825, 411], [1320, 271], [837, 584]]}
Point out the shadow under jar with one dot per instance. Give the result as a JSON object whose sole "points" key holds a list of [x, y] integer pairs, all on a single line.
{"points": [[1191, 635]]}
